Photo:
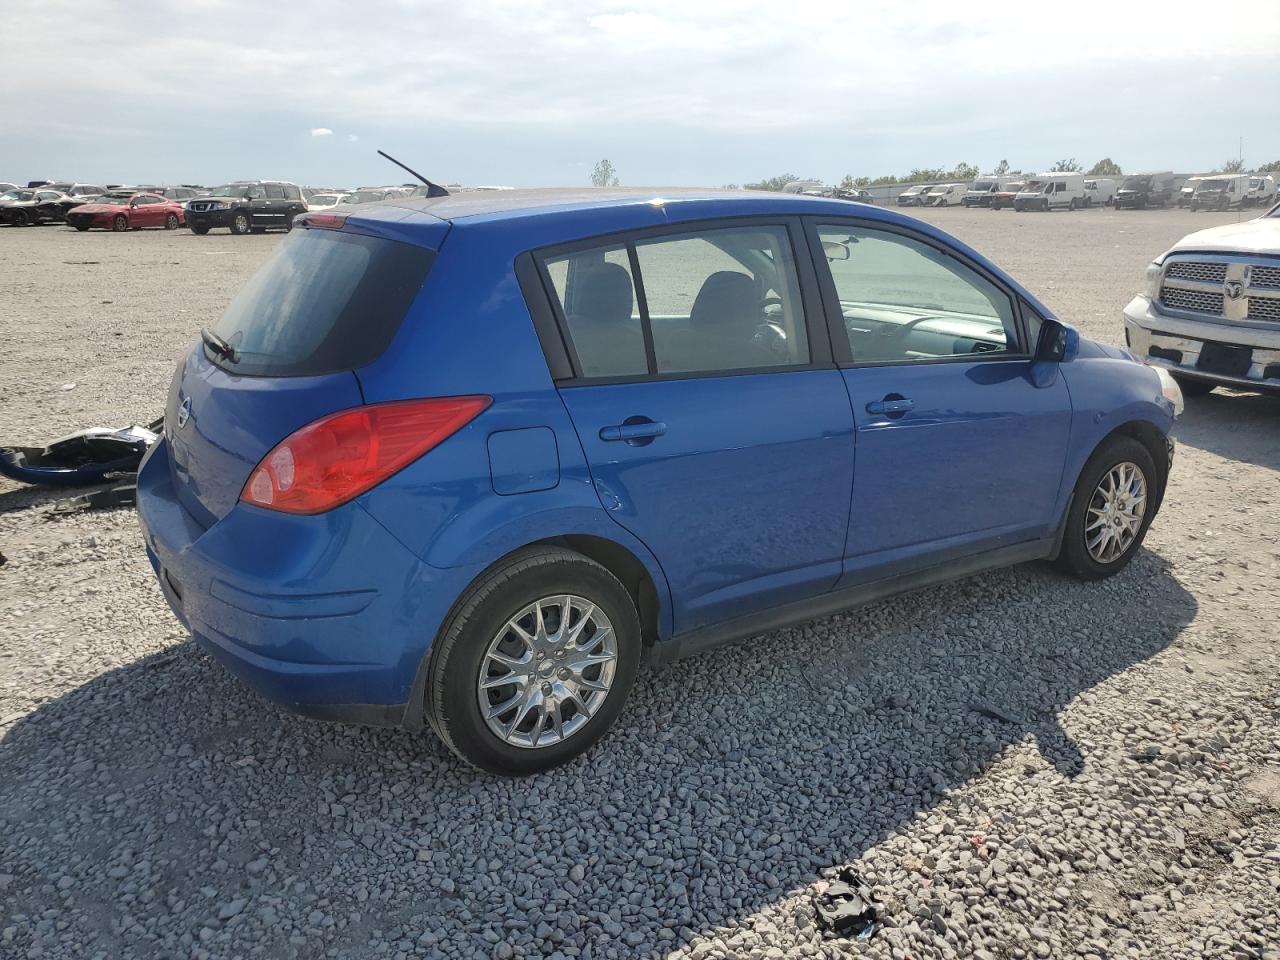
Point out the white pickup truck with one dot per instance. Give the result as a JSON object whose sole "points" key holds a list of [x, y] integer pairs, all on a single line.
{"points": [[1210, 313]]}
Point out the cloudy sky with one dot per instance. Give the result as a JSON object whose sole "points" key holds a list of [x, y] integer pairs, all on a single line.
{"points": [[700, 92]]}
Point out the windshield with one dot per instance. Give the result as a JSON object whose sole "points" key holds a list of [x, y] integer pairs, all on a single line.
{"points": [[984, 186], [228, 190], [1136, 183], [1031, 186], [18, 195], [364, 196], [324, 199], [324, 302], [1212, 185], [115, 198]]}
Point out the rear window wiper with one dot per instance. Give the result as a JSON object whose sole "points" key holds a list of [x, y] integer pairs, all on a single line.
{"points": [[218, 346]]}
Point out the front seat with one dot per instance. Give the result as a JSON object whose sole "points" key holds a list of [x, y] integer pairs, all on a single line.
{"points": [[607, 338], [723, 324]]}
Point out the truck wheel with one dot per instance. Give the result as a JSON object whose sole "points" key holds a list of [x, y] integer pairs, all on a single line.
{"points": [[240, 224], [199, 231], [1073, 205]]}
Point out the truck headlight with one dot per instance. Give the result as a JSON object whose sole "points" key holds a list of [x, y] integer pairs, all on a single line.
{"points": [[1155, 270], [1170, 390]]}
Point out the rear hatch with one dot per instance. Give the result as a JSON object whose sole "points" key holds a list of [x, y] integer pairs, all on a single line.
{"points": [[285, 352]]}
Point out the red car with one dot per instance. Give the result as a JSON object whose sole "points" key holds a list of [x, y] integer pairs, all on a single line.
{"points": [[127, 210]]}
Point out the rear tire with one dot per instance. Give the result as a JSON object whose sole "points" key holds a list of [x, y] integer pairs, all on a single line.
{"points": [[1102, 534], [462, 658], [240, 223], [1193, 388], [120, 224]]}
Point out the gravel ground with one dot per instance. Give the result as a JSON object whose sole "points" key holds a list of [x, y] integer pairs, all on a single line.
{"points": [[1122, 801]]}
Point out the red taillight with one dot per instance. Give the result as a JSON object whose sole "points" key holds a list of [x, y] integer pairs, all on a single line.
{"points": [[327, 221], [338, 457]]}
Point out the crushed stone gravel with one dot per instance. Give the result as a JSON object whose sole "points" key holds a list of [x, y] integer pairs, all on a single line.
{"points": [[1119, 798]]}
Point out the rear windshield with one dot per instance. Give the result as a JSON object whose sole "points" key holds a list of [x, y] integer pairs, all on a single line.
{"points": [[326, 301]]}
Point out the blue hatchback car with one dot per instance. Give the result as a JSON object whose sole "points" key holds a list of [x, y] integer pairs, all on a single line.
{"points": [[468, 461]]}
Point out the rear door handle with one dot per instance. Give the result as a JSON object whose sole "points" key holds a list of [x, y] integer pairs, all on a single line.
{"points": [[901, 405], [630, 432]]}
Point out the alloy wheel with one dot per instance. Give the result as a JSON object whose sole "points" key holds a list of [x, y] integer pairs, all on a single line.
{"points": [[547, 671], [1115, 512]]}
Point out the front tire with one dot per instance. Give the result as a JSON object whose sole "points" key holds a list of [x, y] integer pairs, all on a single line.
{"points": [[120, 224], [171, 222], [82, 227], [21, 219], [1111, 509], [514, 685], [240, 224], [200, 231]]}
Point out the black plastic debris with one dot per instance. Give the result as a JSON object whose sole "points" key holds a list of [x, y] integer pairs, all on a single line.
{"points": [[994, 712], [89, 456], [121, 495], [848, 907]]}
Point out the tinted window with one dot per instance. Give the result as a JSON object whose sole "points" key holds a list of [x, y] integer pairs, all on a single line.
{"points": [[597, 299], [291, 192], [903, 300], [723, 300], [275, 191], [324, 302], [704, 301]]}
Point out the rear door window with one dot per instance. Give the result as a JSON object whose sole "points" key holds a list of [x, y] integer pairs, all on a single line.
{"points": [[326, 301], [705, 301]]}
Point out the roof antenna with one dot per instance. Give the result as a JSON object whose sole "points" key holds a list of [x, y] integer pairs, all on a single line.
{"points": [[433, 189]]}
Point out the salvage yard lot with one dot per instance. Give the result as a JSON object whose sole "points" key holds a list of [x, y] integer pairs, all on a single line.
{"points": [[1020, 764]]}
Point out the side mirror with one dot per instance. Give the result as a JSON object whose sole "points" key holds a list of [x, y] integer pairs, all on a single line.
{"points": [[1059, 343]]}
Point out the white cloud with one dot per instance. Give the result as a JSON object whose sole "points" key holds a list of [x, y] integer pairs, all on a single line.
{"points": [[351, 137], [321, 132]]}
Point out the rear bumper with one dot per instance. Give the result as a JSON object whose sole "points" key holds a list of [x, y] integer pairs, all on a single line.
{"points": [[1250, 360], [329, 616]]}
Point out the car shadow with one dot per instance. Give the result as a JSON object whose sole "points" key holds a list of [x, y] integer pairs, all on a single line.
{"points": [[1239, 426], [731, 780]]}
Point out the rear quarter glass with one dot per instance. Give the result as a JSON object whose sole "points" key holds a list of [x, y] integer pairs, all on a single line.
{"points": [[325, 302]]}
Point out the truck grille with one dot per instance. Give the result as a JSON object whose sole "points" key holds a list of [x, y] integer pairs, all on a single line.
{"points": [[1261, 276], [1264, 308], [200, 206], [1197, 270], [1198, 301]]}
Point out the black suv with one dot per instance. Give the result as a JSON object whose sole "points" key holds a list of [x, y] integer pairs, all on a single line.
{"points": [[246, 206]]}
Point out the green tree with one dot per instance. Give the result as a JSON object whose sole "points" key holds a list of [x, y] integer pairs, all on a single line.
{"points": [[1106, 167], [1002, 168], [772, 183], [604, 175], [1066, 166], [1233, 166], [963, 171], [1272, 167]]}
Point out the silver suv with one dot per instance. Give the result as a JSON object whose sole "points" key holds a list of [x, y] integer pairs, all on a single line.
{"points": [[1210, 313]]}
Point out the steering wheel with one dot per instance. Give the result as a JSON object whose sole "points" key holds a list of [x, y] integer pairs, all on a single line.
{"points": [[887, 339]]}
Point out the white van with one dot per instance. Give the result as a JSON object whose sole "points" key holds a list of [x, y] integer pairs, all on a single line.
{"points": [[914, 196], [1262, 191], [980, 191], [1227, 192], [945, 195], [1099, 192], [1187, 189], [1051, 191]]}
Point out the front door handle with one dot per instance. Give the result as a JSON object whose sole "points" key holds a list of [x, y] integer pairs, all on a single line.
{"points": [[890, 405], [631, 432]]}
